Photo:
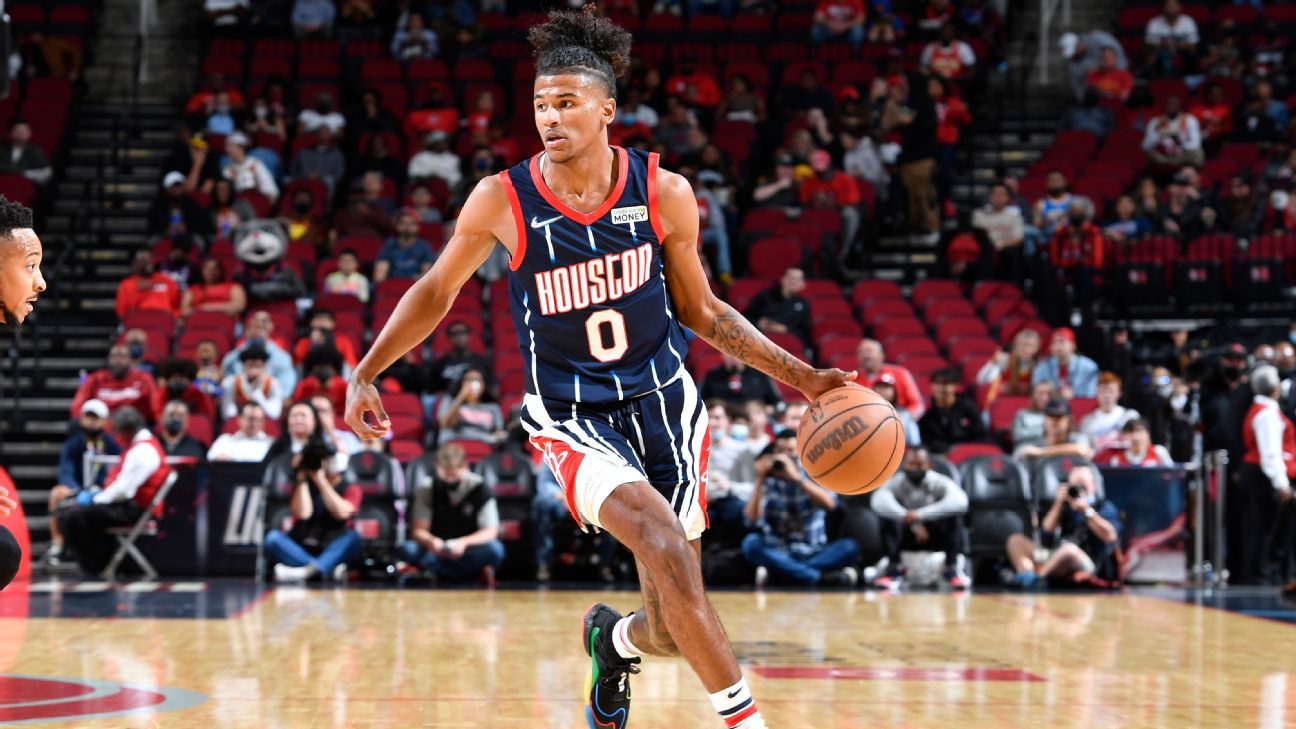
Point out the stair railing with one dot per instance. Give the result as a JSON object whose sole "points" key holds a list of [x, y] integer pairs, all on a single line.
{"points": [[1049, 10]]}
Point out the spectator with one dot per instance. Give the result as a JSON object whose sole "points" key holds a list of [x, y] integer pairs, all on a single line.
{"points": [[21, 157], [873, 366], [1129, 223], [1103, 426], [246, 172], [146, 289], [782, 309], [302, 223], [1075, 375], [935, 14], [916, 121], [1271, 108], [321, 115], [1028, 423], [131, 486], [259, 332], [1083, 530], [1004, 226], [248, 444], [454, 526], [225, 210], [1009, 373], [734, 448], [422, 203], [436, 161], [832, 189], [176, 382], [137, 344], [213, 292], [378, 157], [374, 118], [924, 510], [226, 15], [833, 18], [1139, 451], [948, 57], [1050, 211], [713, 232], [347, 279], [1110, 78], [449, 369], [884, 25], [178, 217], [368, 213], [414, 41], [695, 88], [175, 438], [1258, 123], [467, 416], [788, 510], [1059, 438], [406, 255], [1172, 29], [267, 119], [1091, 116], [863, 160], [782, 191], [1264, 480], [952, 418], [321, 161], [1076, 251], [951, 115], [740, 104], [313, 18], [1280, 214], [116, 386], [323, 330], [323, 368], [252, 385], [1186, 213], [1214, 116], [885, 387], [221, 120], [1174, 138], [88, 439], [734, 382], [320, 542]]}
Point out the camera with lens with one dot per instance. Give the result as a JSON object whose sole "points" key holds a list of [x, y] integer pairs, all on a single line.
{"points": [[1075, 492], [314, 454]]}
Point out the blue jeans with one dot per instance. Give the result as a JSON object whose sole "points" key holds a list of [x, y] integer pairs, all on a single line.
{"points": [[819, 34], [283, 549], [464, 569], [835, 555], [717, 237]]}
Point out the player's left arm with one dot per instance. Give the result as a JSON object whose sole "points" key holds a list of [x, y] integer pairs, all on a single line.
{"points": [[712, 319]]}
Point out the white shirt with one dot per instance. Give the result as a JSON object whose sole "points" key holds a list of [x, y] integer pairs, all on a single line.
{"points": [[312, 120], [1268, 426], [219, 6], [239, 447], [1104, 429], [271, 400], [736, 461], [251, 174], [1159, 30], [966, 55], [436, 164], [1183, 133], [138, 464]]}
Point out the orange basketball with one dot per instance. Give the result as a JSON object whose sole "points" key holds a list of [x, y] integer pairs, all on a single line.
{"points": [[851, 440]]}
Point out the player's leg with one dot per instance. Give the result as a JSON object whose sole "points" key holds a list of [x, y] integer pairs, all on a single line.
{"points": [[57, 496], [10, 557]]}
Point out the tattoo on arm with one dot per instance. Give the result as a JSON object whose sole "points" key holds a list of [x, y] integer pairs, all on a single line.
{"points": [[731, 333]]}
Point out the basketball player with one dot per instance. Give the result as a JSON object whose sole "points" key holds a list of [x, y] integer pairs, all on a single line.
{"points": [[20, 283], [605, 276]]}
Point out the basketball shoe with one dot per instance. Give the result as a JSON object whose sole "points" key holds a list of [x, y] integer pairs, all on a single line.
{"points": [[608, 682]]}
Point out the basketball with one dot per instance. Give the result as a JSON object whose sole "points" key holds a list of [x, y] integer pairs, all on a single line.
{"points": [[851, 440]]}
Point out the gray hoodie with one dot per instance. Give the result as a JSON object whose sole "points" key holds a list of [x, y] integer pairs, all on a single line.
{"points": [[937, 497]]}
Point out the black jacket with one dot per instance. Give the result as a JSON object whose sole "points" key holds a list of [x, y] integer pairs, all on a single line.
{"points": [[942, 429]]}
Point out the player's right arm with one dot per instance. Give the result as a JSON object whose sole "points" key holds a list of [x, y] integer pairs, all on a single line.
{"points": [[485, 219]]}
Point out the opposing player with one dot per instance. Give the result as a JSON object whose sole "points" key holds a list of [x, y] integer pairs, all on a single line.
{"points": [[20, 283], [605, 276]]}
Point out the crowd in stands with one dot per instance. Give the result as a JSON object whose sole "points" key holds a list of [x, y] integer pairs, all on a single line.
{"points": [[293, 188]]}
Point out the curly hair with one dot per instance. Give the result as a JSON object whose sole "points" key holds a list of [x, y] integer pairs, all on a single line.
{"points": [[581, 42], [13, 216]]}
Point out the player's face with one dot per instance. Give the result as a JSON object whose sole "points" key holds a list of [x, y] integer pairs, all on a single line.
{"points": [[20, 277], [572, 112]]}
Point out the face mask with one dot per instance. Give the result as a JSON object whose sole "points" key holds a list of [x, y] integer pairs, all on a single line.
{"points": [[482, 165], [1164, 391], [222, 108], [173, 426], [915, 476], [1178, 401], [256, 343], [1076, 220], [1055, 191], [1233, 372], [738, 431], [93, 432], [261, 112], [323, 374], [302, 206], [176, 389], [136, 350]]}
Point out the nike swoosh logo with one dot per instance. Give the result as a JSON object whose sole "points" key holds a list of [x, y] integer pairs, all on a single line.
{"points": [[538, 223], [734, 693]]}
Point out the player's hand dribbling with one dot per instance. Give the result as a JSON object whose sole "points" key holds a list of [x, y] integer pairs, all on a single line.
{"points": [[362, 398], [824, 380], [7, 504]]}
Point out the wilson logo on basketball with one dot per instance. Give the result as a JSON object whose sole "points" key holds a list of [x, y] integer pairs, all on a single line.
{"points": [[837, 438]]}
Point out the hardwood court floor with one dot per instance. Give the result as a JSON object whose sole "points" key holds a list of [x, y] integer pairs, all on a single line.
{"points": [[300, 658]]}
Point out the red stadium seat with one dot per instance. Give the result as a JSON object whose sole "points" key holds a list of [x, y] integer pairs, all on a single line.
{"points": [[937, 309], [1004, 409], [381, 69], [771, 257], [901, 345], [963, 451], [920, 364], [161, 321], [211, 320], [972, 349], [18, 189], [1080, 407], [953, 328], [928, 289], [869, 290], [829, 307], [1000, 309], [201, 430], [883, 308], [895, 327], [427, 69]]}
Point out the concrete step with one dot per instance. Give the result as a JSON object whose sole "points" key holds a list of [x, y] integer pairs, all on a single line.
{"points": [[46, 473], [50, 426], [41, 448], [53, 383]]}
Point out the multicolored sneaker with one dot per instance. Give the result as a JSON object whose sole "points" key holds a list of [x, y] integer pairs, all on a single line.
{"points": [[608, 682]]}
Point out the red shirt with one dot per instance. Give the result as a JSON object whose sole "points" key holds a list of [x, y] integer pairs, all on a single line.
{"points": [[199, 402], [697, 89], [840, 189], [1216, 121], [1122, 458], [951, 113], [1069, 251], [841, 11], [217, 293], [907, 394], [137, 293], [1251, 451], [1116, 83], [135, 389], [343, 344], [147, 490], [309, 387]]}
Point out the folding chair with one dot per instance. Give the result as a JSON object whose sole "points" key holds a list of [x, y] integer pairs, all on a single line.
{"points": [[146, 525]]}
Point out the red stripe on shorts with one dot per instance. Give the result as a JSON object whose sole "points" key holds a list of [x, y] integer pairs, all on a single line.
{"points": [[564, 462], [704, 463]]}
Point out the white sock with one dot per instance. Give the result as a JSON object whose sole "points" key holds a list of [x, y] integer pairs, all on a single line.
{"points": [[737, 708], [621, 639]]}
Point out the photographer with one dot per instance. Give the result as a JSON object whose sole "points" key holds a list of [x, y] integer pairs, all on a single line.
{"points": [[1084, 530], [925, 510], [320, 541], [788, 509]]}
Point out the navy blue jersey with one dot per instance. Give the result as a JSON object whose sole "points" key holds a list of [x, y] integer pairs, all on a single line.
{"points": [[593, 316]]}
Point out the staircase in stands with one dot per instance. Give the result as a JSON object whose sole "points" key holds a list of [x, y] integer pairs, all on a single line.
{"points": [[120, 134]]}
